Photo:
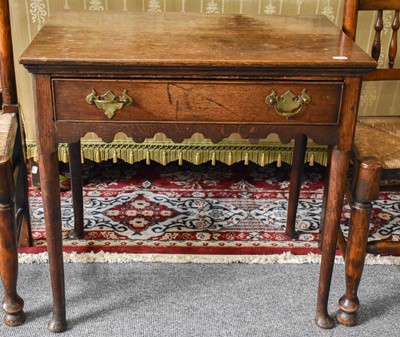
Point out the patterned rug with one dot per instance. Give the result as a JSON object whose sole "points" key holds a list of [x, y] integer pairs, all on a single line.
{"points": [[204, 209]]}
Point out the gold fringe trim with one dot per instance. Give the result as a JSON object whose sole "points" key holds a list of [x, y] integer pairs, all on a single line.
{"points": [[195, 153]]}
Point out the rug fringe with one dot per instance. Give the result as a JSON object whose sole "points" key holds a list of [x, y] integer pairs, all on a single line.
{"points": [[107, 257]]}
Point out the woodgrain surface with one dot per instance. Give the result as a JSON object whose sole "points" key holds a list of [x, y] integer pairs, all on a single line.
{"points": [[192, 39], [197, 101]]}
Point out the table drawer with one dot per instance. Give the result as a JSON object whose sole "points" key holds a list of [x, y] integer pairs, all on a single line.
{"points": [[197, 101]]}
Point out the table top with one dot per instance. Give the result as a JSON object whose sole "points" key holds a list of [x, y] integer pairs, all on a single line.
{"points": [[189, 40]]}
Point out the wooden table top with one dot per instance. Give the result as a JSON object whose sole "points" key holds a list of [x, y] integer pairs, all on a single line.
{"points": [[181, 39]]}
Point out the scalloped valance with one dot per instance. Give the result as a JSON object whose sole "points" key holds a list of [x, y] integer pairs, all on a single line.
{"points": [[195, 152]]}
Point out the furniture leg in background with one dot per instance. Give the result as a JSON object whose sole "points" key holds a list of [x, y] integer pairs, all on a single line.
{"points": [[300, 146], [75, 168], [324, 197]]}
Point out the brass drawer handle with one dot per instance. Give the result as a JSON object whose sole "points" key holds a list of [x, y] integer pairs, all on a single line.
{"points": [[108, 103], [288, 105]]}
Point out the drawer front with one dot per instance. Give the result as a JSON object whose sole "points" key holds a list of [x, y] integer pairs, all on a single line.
{"points": [[197, 101]]}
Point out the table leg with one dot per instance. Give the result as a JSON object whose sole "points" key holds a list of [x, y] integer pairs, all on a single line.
{"points": [[12, 303], [75, 168], [300, 147], [325, 196], [333, 211], [49, 182]]}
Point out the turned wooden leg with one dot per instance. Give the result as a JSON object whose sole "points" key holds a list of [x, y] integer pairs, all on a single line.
{"points": [[333, 210], [300, 146], [49, 181], [12, 303], [75, 168], [365, 190]]}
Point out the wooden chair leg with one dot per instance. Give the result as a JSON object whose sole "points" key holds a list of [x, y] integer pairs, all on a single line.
{"points": [[12, 303], [383, 247], [23, 219], [365, 190], [75, 167], [300, 146]]}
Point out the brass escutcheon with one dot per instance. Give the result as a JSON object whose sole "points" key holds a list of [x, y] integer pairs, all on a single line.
{"points": [[108, 103], [288, 105]]}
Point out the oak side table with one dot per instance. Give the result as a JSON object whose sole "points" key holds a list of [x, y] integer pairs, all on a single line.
{"points": [[177, 73]]}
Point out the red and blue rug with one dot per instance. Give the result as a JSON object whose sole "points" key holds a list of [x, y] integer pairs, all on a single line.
{"points": [[204, 209]]}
